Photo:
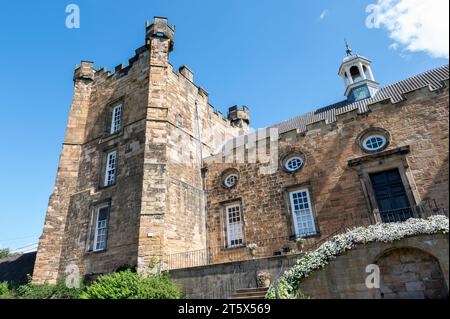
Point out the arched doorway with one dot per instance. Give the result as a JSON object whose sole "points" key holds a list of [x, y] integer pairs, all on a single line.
{"points": [[410, 273]]}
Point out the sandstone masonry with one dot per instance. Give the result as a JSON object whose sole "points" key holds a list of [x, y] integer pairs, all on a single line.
{"points": [[157, 201], [145, 172]]}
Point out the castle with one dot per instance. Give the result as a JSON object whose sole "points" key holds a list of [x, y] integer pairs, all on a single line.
{"points": [[149, 169]]}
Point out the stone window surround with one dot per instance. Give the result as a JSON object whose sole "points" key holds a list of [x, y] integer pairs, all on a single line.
{"points": [[289, 214], [373, 131], [227, 172], [89, 245], [291, 154], [380, 162], [102, 162], [223, 223]]}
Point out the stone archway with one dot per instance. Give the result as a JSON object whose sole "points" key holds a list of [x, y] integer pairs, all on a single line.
{"points": [[410, 273]]}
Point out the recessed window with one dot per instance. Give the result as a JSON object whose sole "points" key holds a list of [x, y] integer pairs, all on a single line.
{"points": [[116, 120], [235, 237], [293, 164], [374, 143], [180, 120], [230, 180], [101, 224], [110, 170], [302, 213]]}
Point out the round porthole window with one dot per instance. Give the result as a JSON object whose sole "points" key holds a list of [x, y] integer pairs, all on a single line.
{"points": [[374, 143], [293, 164], [230, 180]]}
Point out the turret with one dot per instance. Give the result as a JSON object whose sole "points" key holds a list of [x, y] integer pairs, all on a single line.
{"points": [[84, 72], [358, 78], [239, 116], [160, 29]]}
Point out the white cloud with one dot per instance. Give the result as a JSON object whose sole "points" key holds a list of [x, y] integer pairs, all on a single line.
{"points": [[415, 25], [323, 14], [394, 46]]}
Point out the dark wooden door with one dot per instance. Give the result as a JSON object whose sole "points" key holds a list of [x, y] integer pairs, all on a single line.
{"points": [[391, 196]]}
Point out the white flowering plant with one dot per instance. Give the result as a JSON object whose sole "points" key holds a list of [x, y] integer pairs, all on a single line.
{"points": [[289, 282], [252, 246]]}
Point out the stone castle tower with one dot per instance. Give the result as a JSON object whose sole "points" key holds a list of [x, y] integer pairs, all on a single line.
{"points": [[129, 185]]}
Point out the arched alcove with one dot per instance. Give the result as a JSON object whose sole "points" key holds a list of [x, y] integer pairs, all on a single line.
{"points": [[410, 273]]}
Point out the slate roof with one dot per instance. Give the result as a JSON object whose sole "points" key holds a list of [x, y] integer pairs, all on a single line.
{"points": [[432, 78]]}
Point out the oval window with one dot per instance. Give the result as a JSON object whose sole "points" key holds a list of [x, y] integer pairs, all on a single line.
{"points": [[294, 164], [230, 181], [374, 143]]}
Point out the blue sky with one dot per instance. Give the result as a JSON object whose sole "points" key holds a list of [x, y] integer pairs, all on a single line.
{"points": [[278, 57]]}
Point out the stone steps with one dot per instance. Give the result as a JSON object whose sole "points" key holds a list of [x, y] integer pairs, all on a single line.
{"points": [[249, 293]]}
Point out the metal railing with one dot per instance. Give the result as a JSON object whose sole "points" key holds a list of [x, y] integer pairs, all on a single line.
{"points": [[396, 215], [424, 210], [286, 245], [430, 208], [216, 255]]}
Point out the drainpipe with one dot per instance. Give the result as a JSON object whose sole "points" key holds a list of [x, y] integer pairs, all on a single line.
{"points": [[202, 172]]}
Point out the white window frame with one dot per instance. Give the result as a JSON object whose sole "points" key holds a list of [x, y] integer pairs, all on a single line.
{"points": [[116, 119], [97, 228], [310, 213], [364, 143], [231, 227], [231, 180], [286, 165], [110, 169]]}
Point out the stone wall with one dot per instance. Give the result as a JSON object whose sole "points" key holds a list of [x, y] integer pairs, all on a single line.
{"points": [[340, 193], [221, 280], [157, 201], [415, 267]]}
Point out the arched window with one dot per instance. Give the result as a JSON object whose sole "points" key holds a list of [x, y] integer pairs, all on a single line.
{"points": [[373, 140], [356, 76]]}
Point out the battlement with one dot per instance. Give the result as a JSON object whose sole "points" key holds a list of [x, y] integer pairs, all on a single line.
{"points": [[160, 29], [239, 116], [84, 72], [347, 115], [187, 73]]}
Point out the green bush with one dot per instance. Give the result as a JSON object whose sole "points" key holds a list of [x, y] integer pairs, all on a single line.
{"points": [[4, 253], [128, 284], [158, 287], [31, 291], [47, 291], [61, 291], [119, 285], [4, 289]]}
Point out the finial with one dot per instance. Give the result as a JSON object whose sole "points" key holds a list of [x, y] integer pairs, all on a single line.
{"points": [[348, 49]]}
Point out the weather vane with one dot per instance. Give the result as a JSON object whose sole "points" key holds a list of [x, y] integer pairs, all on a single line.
{"points": [[348, 49]]}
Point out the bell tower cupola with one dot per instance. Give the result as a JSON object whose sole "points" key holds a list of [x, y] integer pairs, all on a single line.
{"points": [[358, 78]]}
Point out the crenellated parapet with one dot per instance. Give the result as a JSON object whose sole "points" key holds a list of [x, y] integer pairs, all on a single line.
{"points": [[84, 72], [356, 111]]}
